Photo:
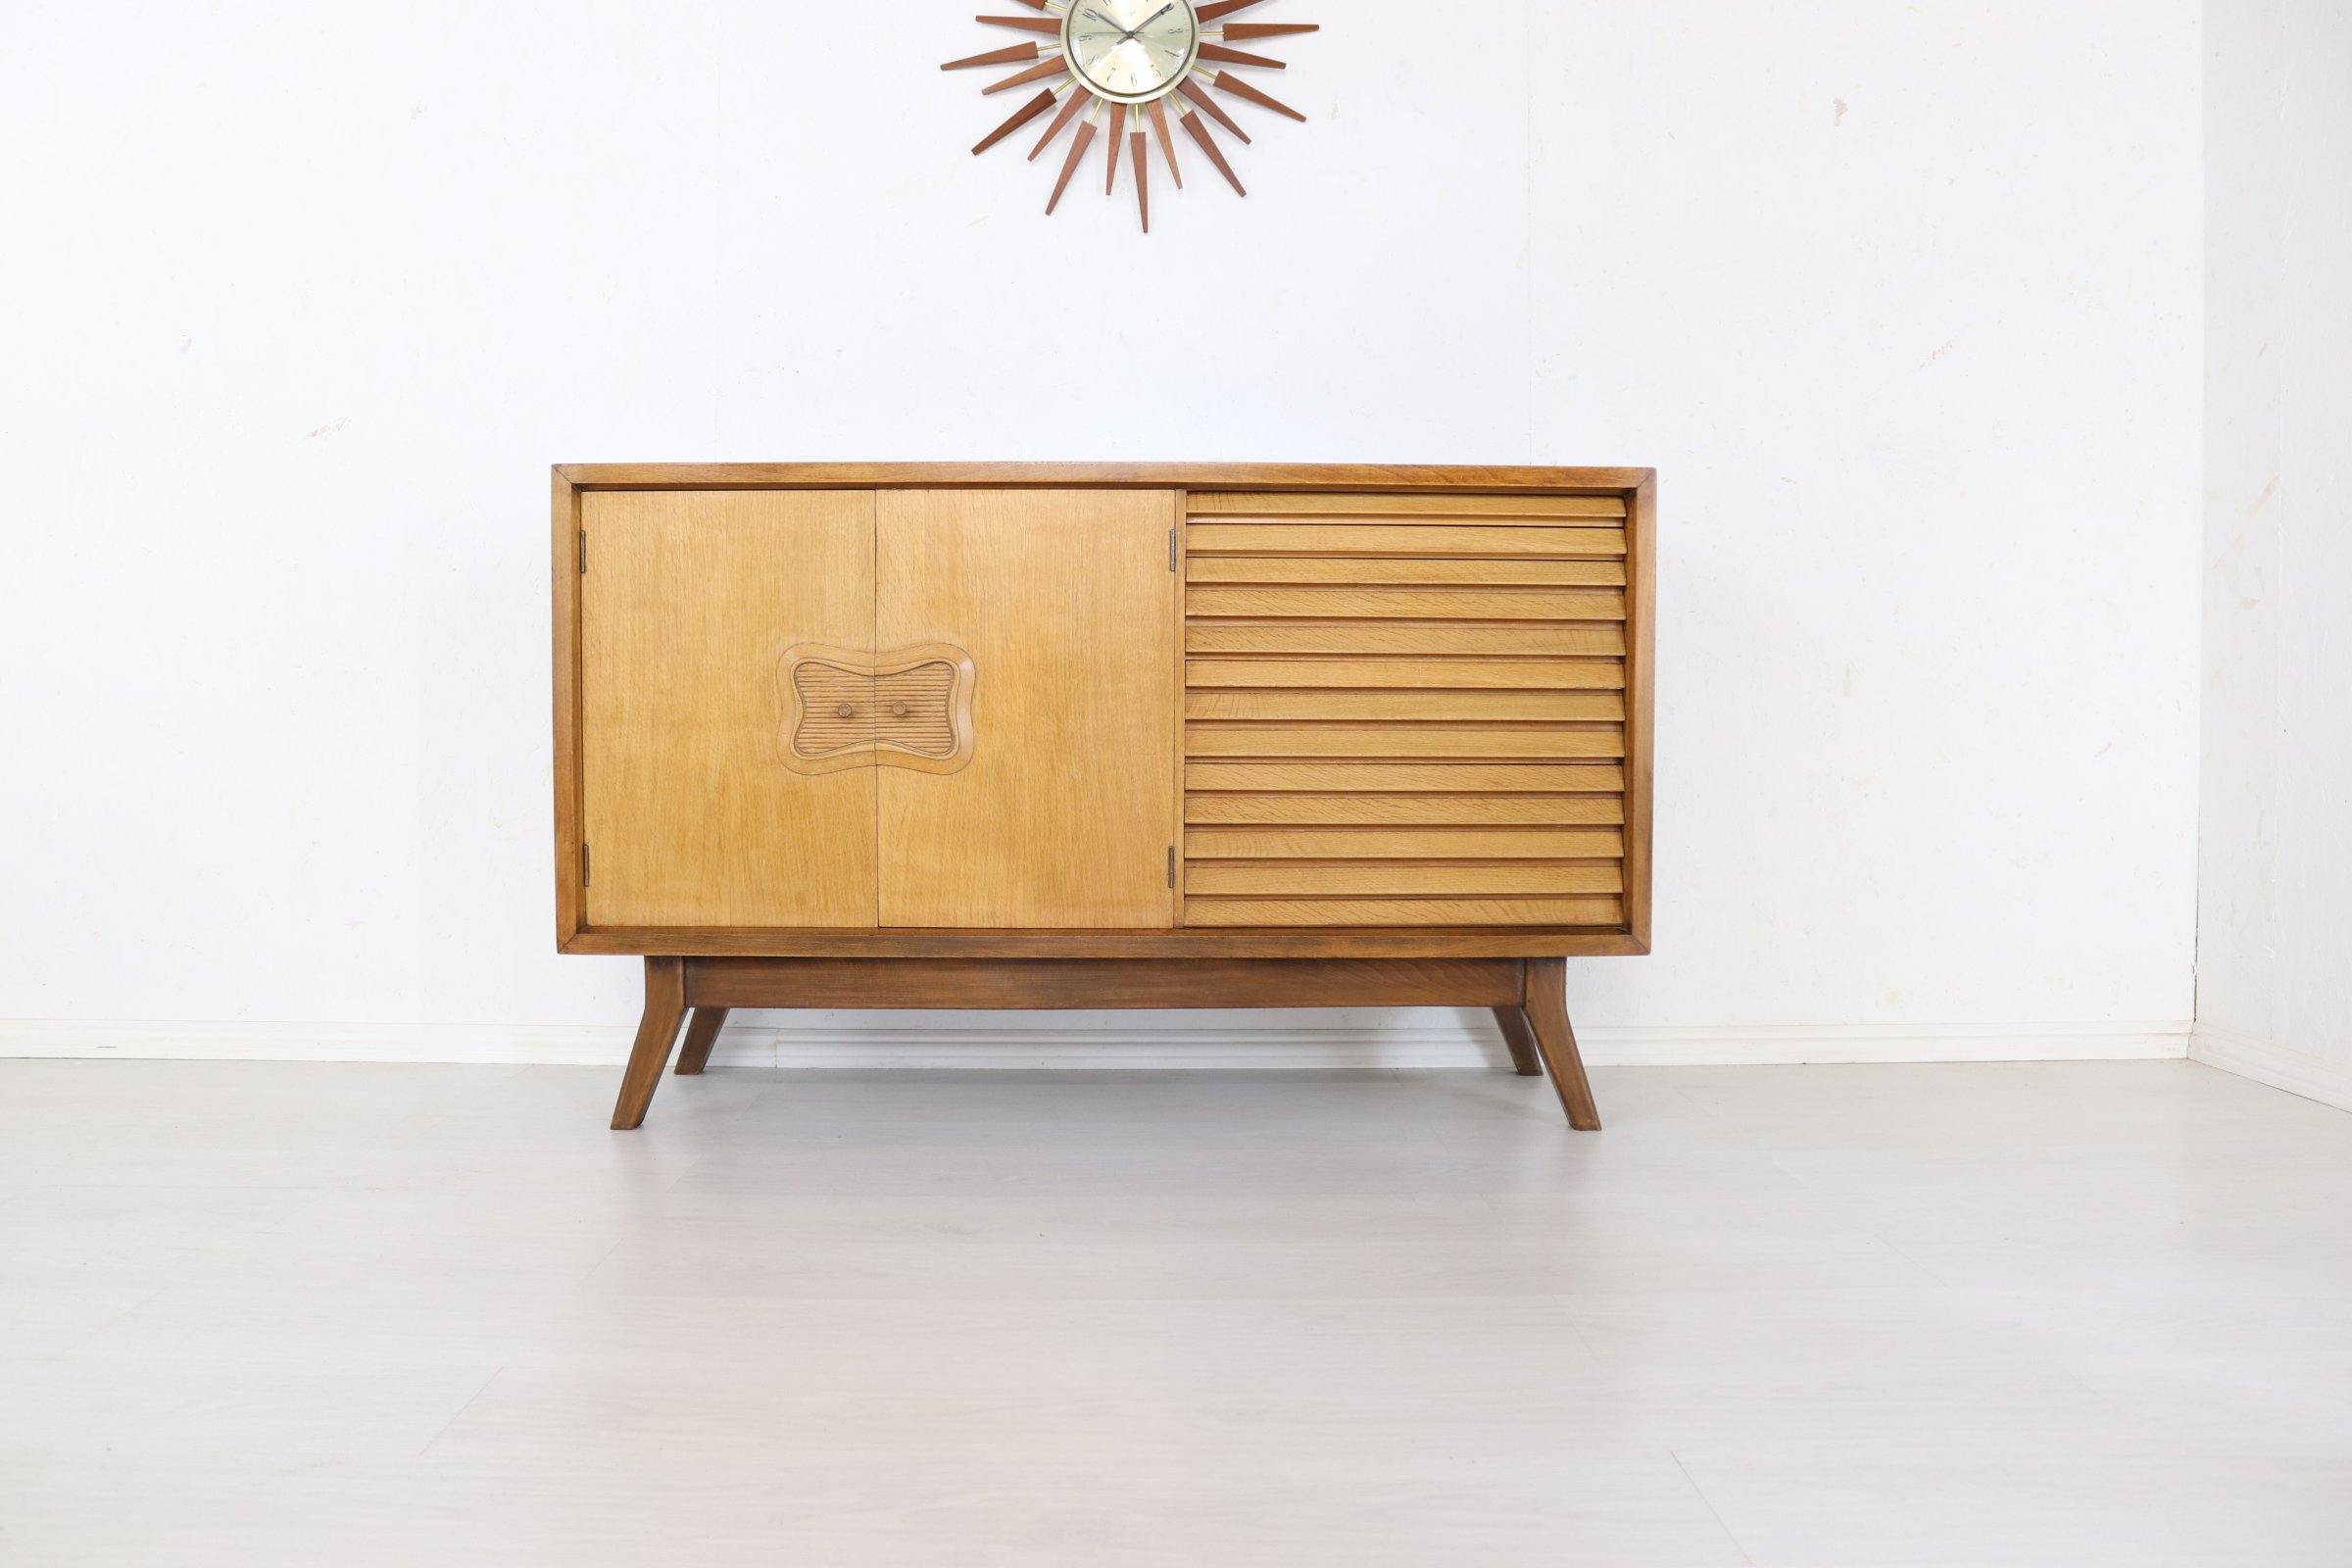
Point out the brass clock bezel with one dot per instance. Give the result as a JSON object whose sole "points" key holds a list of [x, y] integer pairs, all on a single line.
{"points": [[1192, 58]]}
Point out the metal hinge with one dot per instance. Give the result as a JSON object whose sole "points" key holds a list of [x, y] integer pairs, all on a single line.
{"points": [[1171, 867], [1172, 549], [583, 865], [583, 552]]}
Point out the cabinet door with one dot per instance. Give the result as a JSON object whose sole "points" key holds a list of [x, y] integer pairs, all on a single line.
{"points": [[1066, 815], [1407, 711], [690, 603]]}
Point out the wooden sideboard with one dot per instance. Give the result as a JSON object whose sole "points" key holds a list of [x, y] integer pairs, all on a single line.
{"points": [[997, 735]]}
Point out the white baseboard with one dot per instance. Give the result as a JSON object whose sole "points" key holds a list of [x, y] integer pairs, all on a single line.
{"points": [[1406, 1040], [2298, 1072]]}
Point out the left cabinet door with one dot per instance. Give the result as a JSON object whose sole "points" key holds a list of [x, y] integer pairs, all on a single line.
{"points": [[690, 602]]}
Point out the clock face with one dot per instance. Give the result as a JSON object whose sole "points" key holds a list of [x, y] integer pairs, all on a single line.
{"points": [[1131, 51], [1134, 76]]}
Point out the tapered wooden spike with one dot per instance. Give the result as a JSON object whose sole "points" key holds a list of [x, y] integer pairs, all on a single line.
{"points": [[1053, 65], [1118, 139], [1223, 8], [995, 57], [1079, 99], [1136, 150], [1078, 146], [1192, 89], [1199, 129], [1234, 57], [1244, 32], [1037, 5], [1027, 112], [1227, 81], [1025, 24], [1168, 141]]}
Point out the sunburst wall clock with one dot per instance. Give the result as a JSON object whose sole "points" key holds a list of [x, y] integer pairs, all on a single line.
{"points": [[1130, 63]]}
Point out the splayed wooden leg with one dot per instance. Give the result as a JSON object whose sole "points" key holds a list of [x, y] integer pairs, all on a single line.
{"points": [[657, 1032]]}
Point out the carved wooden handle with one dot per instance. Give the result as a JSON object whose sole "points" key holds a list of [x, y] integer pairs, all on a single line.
{"points": [[911, 708]]}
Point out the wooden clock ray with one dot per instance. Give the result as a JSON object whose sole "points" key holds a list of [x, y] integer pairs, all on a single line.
{"points": [[1126, 64]]}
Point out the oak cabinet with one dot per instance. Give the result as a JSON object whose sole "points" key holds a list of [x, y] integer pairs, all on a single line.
{"points": [[1001, 735]]}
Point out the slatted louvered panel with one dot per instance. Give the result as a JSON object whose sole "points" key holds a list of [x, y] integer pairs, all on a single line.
{"points": [[1405, 710]]}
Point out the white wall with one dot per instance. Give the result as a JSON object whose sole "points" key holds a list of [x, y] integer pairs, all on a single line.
{"points": [[2275, 987], [1904, 301]]}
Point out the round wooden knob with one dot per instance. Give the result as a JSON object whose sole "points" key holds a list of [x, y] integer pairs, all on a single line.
{"points": [[847, 711], [899, 709]]}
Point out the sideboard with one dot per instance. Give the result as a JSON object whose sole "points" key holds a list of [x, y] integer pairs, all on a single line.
{"points": [[1102, 736]]}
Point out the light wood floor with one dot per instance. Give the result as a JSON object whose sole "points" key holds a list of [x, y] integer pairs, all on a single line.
{"points": [[2061, 1314]]}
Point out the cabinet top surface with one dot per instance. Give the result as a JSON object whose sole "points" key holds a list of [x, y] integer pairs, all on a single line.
{"points": [[1166, 475]]}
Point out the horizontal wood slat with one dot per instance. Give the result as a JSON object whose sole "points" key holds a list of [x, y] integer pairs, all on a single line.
{"points": [[1458, 706], [1606, 741], [1343, 912], [1391, 539], [1401, 878], [1536, 639], [1404, 570], [1433, 778], [1401, 844], [1405, 811], [1204, 504], [1413, 604], [1430, 692], [1450, 675]]}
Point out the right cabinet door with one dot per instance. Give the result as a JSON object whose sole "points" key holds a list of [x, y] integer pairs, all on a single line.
{"points": [[1065, 603], [1405, 711]]}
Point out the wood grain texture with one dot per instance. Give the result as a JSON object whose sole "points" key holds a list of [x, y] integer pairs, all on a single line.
{"points": [[1062, 600], [1097, 984], [701, 1036], [1219, 9], [657, 1032], [1404, 941], [1117, 139], [1400, 879], [691, 815], [1078, 146], [995, 57], [1052, 64], [1555, 1041], [1539, 639], [1404, 810], [1240, 57], [1402, 572], [1227, 81], [1255, 477], [1167, 140], [563, 583], [1139, 156], [1051, 25], [1520, 1037], [1350, 603], [1383, 843], [1441, 778], [1244, 32], [1019, 118], [1070, 108], [1340, 913], [1453, 707], [1642, 697], [1512, 674], [1599, 741], [1443, 539], [1191, 87], [1530, 506], [1197, 129]]}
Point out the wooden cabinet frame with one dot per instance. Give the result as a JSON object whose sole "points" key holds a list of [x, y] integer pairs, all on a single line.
{"points": [[711, 969]]}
